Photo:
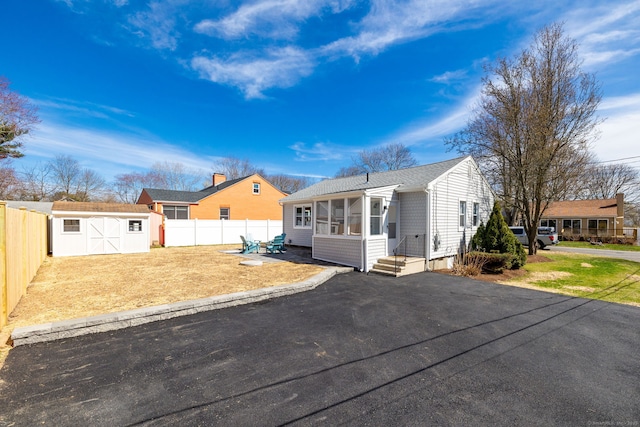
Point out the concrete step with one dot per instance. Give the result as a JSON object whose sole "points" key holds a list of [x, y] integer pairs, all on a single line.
{"points": [[391, 266], [383, 272]]}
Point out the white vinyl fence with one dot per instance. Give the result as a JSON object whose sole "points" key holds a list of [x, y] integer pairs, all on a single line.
{"points": [[195, 232]]}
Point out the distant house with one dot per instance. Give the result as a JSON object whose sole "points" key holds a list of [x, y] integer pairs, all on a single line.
{"points": [[84, 228], [249, 197], [429, 212], [587, 218]]}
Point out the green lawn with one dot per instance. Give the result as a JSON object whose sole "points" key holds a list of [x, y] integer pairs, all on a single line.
{"points": [[612, 247], [587, 276]]}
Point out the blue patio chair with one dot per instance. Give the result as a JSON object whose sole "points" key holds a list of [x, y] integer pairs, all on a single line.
{"points": [[277, 244], [249, 246]]}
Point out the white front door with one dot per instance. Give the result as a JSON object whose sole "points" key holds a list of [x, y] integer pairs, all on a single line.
{"points": [[392, 227]]}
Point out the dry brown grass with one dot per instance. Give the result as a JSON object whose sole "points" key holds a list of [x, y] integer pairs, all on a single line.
{"points": [[72, 287]]}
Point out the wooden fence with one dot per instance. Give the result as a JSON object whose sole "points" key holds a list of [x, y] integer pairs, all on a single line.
{"points": [[23, 248]]}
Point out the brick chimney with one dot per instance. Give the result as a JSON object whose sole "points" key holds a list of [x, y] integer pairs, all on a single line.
{"points": [[620, 204], [219, 178]]}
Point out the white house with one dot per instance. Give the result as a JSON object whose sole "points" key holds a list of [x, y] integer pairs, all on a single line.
{"points": [[82, 228], [430, 212]]}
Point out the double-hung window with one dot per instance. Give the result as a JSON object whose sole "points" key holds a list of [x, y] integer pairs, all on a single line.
{"points": [[463, 214], [225, 213], [476, 214], [302, 216]]}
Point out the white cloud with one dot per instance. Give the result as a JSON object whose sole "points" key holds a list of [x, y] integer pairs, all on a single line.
{"points": [[107, 152], [281, 68], [449, 76], [320, 151], [158, 23], [620, 130], [276, 19], [83, 108]]}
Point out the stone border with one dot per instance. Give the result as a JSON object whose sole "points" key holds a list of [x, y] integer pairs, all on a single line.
{"points": [[124, 319]]}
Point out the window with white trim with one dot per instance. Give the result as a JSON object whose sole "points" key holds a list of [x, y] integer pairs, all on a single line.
{"points": [[225, 213], [355, 216], [256, 188], [176, 212], [463, 214], [548, 223], [135, 225], [322, 217], [302, 216], [71, 225], [375, 216], [476, 214], [337, 217]]}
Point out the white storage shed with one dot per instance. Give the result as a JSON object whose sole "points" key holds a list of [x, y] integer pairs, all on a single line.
{"points": [[84, 228]]}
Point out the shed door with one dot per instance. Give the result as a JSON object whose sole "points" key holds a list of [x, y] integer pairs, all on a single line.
{"points": [[104, 235]]}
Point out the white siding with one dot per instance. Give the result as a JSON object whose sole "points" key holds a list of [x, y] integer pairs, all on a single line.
{"points": [[298, 236], [341, 251], [99, 234], [376, 248], [463, 183]]}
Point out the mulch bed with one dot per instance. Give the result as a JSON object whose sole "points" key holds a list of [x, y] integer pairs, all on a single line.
{"points": [[507, 274]]}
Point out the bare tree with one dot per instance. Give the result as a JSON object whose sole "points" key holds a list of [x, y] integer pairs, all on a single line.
{"points": [[36, 184], [176, 176], [9, 183], [233, 168], [605, 181], [17, 116], [65, 173], [288, 184], [89, 186], [128, 186], [532, 127], [390, 157]]}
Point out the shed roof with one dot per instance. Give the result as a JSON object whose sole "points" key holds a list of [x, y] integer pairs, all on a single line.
{"points": [[99, 207], [404, 178], [37, 206], [160, 195], [582, 208]]}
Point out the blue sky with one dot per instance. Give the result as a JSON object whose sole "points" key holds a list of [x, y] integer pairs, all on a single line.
{"points": [[295, 86]]}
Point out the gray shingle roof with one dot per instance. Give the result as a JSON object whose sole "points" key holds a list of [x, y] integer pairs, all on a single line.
{"points": [[419, 176], [37, 206], [159, 195]]}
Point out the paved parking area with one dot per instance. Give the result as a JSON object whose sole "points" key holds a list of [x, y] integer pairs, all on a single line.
{"points": [[426, 349]]}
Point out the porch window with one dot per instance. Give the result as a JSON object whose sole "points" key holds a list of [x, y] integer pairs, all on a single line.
{"points": [[476, 214], [337, 217], [463, 214], [176, 212], [376, 217], [322, 217], [571, 226], [598, 227], [548, 223], [302, 216], [355, 217]]}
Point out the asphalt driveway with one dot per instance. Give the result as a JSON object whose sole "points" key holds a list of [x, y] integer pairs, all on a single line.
{"points": [[426, 349]]}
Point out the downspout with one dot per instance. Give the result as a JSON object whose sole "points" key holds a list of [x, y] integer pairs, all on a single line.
{"points": [[427, 236]]}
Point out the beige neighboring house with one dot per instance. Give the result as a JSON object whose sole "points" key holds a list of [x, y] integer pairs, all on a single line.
{"points": [[588, 218]]}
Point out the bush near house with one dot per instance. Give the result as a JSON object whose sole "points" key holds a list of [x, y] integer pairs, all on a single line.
{"points": [[501, 247]]}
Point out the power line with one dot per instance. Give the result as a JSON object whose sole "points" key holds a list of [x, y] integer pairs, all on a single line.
{"points": [[617, 160]]}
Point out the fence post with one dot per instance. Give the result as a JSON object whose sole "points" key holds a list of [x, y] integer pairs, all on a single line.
{"points": [[195, 232], [222, 221], [4, 315], [268, 229]]}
